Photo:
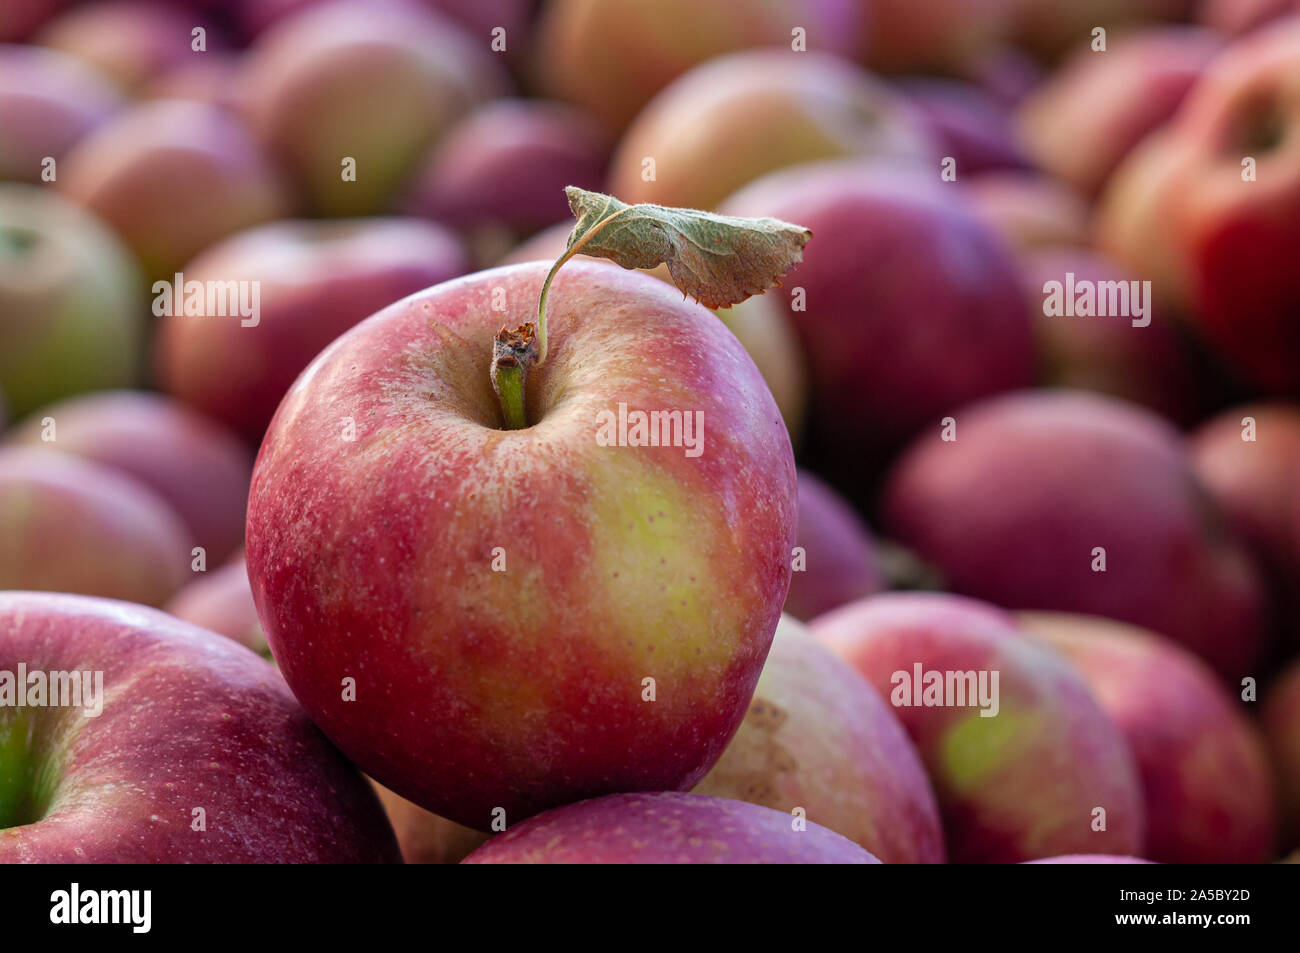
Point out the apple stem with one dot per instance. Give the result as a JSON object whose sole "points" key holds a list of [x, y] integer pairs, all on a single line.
{"points": [[513, 353]]}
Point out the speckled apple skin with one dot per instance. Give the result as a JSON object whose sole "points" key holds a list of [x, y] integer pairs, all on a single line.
{"points": [[817, 736], [667, 828], [1205, 773], [1016, 786], [372, 559], [189, 720]]}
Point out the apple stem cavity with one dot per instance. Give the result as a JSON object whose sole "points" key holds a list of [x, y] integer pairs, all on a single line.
{"points": [[513, 353]]}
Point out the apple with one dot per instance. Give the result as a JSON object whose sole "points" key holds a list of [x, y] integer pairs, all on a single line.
{"points": [[1052, 27], [1045, 773], [612, 56], [71, 317], [376, 83], [426, 838], [736, 118], [19, 19], [212, 79], [1254, 482], [1081, 123], [841, 563], [818, 737], [970, 124], [221, 600], [1151, 364], [943, 36], [1280, 720], [667, 827], [132, 41], [172, 177], [1208, 208], [400, 539], [1030, 211], [1205, 773], [315, 280], [69, 525], [503, 168], [193, 463], [1077, 502], [1235, 17], [197, 753], [48, 101], [890, 246]]}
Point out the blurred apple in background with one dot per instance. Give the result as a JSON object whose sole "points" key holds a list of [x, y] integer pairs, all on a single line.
{"points": [[733, 119], [132, 41], [70, 525], [1023, 782], [221, 601], [612, 56], [1205, 773], [171, 178], [906, 304], [375, 82], [48, 101], [841, 560], [213, 79], [193, 463], [71, 316], [1242, 16], [1082, 122], [945, 36], [1209, 208], [818, 737], [1280, 719], [426, 838], [1150, 365], [667, 828], [968, 123], [19, 19], [315, 281], [1030, 210], [1052, 27], [1076, 502]]}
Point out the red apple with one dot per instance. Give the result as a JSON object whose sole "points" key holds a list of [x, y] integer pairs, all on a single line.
{"points": [[612, 56], [1187, 211], [376, 83], [48, 101], [840, 563], [171, 178], [1029, 779], [736, 118], [1280, 720], [1075, 502], [1090, 113], [1205, 773], [69, 525], [19, 19], [194, 464], [398, 537], [221, 601], [969, 124], [818, 737], [426, 838], [71, 317], [936, 35], [197, 754], [667, 828], [1030, 211], [315, 280]]}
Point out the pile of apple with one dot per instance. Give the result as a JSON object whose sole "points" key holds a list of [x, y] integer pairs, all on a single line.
{"points": [[257, 473]]}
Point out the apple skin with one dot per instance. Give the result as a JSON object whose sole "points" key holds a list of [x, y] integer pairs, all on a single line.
{"points": [[1052, 27], [1030, 211], [19, 19], [1280, 719], [817, 736], [191, 720], [73, 526], [1012, 510], [375, 81], [1016, 786], [944, 36], [1234, 17], [506, 164], [131, 41], [317, 280], [667, 827], [1205, 773], [971, 124], [48, 101], [762, 110], [1178, 212], [71, 317], [193, 463], [840, 551], [172, 177], [221, 601], [613, 56], [675, 567], [1081, 123], [426, 838], [214, 79], [889, 246], [1152, 365]]}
